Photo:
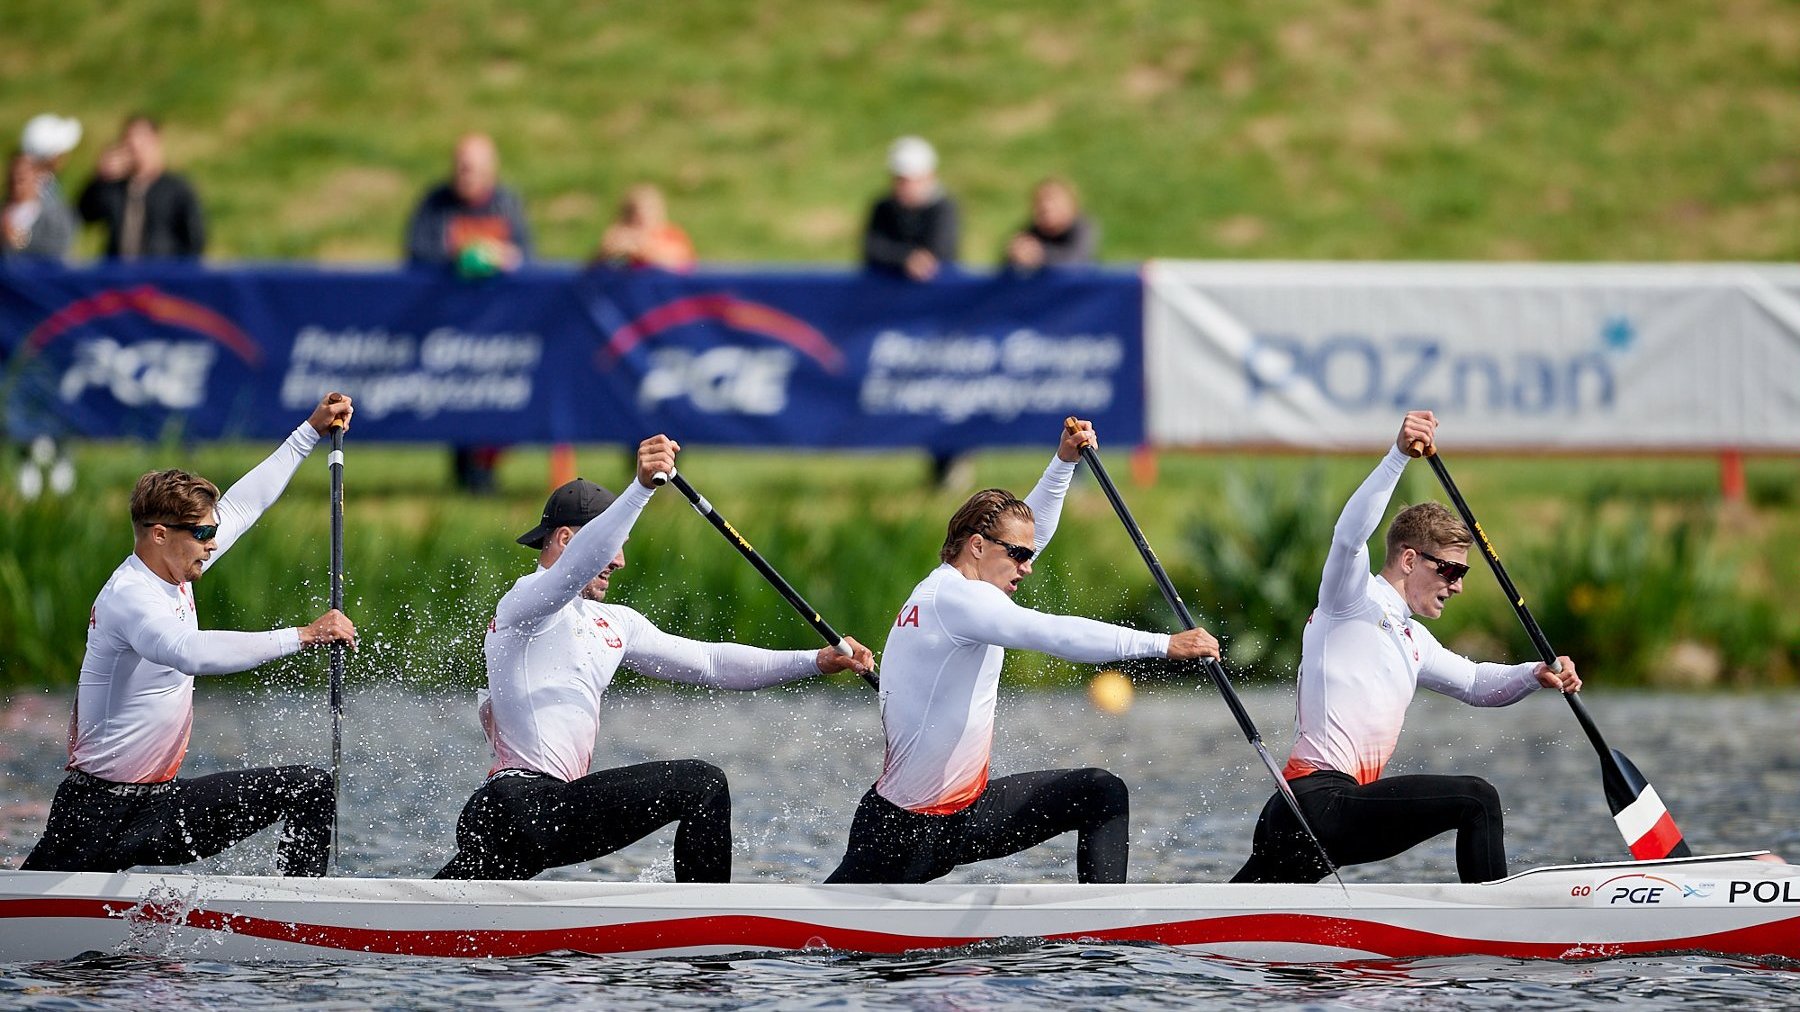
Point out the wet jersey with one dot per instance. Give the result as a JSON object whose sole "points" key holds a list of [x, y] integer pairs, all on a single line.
{"points": [[551, 654], [1362, 654], [134, 704], [940, 669]]}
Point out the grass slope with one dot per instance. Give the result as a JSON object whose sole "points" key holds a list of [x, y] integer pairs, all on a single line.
{"points": [[1373, 129]]}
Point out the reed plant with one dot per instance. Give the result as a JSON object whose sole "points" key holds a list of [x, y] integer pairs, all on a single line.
{"points": [[424, 571], [1636, 597], [1618, 578], [1651, 601], [1258, 566]]}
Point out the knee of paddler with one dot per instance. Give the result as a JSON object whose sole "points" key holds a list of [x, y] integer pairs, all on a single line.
{"points": [[1104, 788], [1480, 794], [702, 779], [309, 782]]}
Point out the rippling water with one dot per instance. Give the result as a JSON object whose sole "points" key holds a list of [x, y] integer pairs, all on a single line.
{"points": [[1728, 766]]}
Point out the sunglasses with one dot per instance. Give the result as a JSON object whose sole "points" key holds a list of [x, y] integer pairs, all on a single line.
{"points": [[201, 532], [1450, 571], [1018, 553]]}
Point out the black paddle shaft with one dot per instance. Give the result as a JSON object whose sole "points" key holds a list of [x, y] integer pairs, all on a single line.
{"points": [[1618, 775], [1212, 667], [337, 648], [723, 526]]}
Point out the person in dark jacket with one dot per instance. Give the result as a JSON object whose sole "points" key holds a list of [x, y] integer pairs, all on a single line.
{"points": [[472, 223], [470, 220], [913, 230], [148, 211]]}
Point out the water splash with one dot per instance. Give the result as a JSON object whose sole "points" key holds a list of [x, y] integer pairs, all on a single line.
{"points": [[153, 922]]}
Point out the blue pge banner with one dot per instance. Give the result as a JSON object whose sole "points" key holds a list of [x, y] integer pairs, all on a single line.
{"points": [[548, 355], [855, 361]]}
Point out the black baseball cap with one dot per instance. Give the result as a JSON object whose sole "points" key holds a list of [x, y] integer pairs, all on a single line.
{"points": [[571, 505]]}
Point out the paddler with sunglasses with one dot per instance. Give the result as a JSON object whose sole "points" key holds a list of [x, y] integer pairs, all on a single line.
{"points": [[1362, 655], [934, 807], [120, 804]]}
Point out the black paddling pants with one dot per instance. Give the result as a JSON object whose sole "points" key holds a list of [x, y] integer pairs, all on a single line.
{"points": [[521, 823], [1375, 821], [98, 825], [891, 844]]}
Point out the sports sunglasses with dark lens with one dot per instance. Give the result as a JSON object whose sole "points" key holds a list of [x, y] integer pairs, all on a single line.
{"points": [[1450, 571], [1018, 553], [201, 532]]}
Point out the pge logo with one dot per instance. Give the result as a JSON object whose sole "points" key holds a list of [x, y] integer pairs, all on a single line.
{"points": [[164, 374], [1637, 890], [158, 372], [732, 378], [729, 380]]}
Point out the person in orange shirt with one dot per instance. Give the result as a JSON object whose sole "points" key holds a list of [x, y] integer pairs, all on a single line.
{"points": [[643, 236]]}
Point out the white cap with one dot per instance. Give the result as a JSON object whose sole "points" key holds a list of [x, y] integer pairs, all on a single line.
{"points": [[47, 135], [911, 157]]}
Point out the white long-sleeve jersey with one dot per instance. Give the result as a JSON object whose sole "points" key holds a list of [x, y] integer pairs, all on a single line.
{"points": [[940, 670], [134, 704], [551, 654], [1362, 654]]}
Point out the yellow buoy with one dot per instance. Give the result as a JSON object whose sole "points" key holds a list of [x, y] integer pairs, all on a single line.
{"points": [[1110, 692]]}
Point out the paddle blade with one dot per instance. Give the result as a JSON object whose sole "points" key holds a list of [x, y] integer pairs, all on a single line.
{"points": [[1645, 823], [1621, 780]]}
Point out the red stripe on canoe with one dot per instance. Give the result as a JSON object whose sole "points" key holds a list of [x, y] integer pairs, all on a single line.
{"points": [[1776, 938]]}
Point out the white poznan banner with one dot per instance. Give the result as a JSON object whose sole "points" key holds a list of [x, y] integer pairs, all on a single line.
{"points": [[1520, 357]]}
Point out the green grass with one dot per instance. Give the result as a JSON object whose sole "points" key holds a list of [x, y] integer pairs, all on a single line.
{"points": [[1628, 563], [1365, 129]]}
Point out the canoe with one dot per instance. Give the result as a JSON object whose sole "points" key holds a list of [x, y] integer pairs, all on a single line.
{"points": [[1730, 904]]}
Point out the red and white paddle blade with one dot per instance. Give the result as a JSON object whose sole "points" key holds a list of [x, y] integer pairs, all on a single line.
{"points": [[1648, 828]]}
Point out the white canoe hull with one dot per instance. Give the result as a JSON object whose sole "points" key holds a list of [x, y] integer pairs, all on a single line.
{"points": [[1732, 905]]}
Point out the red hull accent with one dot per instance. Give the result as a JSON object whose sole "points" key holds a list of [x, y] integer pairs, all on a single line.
{"points": [[752, 932]]}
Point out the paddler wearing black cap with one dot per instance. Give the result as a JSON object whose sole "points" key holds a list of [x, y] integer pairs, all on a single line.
{"points": [[552, 648]]}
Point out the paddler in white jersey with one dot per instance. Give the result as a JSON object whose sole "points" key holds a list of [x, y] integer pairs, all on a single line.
{"points": [[1361, 656], [933, 807], [552, 649], [121, 804]]}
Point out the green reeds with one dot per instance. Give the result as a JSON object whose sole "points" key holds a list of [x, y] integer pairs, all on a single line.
{"points": [[1639, 594]]}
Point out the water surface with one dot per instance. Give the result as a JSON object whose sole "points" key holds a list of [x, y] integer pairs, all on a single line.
{"points": [[1728, 767]]}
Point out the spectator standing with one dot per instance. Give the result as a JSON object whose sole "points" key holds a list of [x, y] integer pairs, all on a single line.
{"points": [[1058, 234], [643, 236], [473, 223], [912, 230], [470, 221], [49, 138], [35, 225], [148, 211]]}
